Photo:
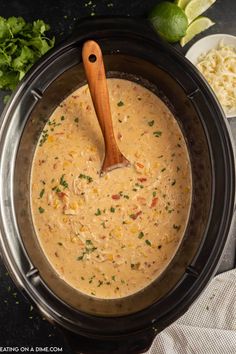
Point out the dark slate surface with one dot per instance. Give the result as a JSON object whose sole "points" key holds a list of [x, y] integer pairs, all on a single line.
{"points": [[20, 324]]}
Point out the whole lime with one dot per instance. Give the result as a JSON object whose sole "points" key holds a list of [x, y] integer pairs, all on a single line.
{"points": [[169, 21]]}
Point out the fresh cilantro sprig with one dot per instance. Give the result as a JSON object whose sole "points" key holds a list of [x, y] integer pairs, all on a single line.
{"points": [[21, 45]]}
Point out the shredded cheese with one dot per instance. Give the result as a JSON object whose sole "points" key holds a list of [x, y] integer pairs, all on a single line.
{"points": [[218, 66]]}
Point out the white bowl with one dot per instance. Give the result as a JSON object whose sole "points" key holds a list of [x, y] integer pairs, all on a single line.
{"points": [[204, 45]]}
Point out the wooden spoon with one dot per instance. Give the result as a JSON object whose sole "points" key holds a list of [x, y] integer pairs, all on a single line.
{"points": [[96, 77]]}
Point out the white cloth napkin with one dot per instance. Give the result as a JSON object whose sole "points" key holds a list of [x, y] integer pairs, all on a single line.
{"points": [[208, 327]]}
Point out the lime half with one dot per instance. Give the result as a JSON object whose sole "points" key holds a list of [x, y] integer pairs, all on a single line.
{"points": [[182, 3], [196, 7], [169, 21], [196, 27]]}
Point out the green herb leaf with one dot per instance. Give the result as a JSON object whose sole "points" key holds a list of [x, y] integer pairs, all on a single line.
{"points": [[176, 227], [157, 134], [120, 104], [98, 212], [21, 45], [112, 209], [41, 193], [44, 135], [89, 179], [88, 242], [41, 210], [141, 235], [173, 182], [63, 182], [148, 242], [150, 123]]}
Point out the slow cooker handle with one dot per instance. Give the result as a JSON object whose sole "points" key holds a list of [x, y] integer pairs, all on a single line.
{"points": [[137, 344]]}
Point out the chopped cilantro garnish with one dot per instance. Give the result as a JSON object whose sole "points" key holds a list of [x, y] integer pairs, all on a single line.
{"points": [[157, 134], [112, 209], [89, 248], [176, 227], [56, 189], [98, 212], [141, 234], [63, 182], [89, 179], [154, 194], [53, 124], [148, 242], [76, 120], [44, 137], [41, 193], [41, 210], [80, 258], [120, 104], [174, 182], [150, 123], [135, 266], [139, 185], [62, 117]]}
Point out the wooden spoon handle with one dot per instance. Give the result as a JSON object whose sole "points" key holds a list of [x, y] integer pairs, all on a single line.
{"points": [[96, 77]]}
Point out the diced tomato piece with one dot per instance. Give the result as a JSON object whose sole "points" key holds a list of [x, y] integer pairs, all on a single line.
{"points": [[115, 196], [142, 179], [154, 202], [61, 195], [134, 216], [139, 165]]}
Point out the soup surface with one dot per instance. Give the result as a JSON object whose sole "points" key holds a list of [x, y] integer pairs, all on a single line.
{"points": [[111, 236]]}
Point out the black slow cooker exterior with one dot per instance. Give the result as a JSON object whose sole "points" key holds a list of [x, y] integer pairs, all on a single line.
{"points": [[131, 50]]}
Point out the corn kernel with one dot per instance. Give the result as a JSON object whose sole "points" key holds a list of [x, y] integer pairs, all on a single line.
{"points": [[83, 228], [50, 138], [116, 232], [56, 204], [66, 163], [134, 229], [73, 206]]}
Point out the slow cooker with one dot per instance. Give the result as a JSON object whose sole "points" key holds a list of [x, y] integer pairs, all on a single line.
{"points": [[131, 50]]}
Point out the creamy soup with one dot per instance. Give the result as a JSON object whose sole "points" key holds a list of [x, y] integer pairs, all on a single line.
{"points": [[111, 236]]}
